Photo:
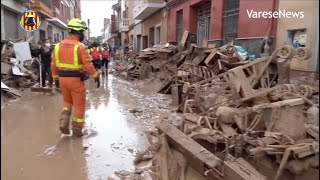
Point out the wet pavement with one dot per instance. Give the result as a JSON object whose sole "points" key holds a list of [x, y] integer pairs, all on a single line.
{"points": [[116, 115]]}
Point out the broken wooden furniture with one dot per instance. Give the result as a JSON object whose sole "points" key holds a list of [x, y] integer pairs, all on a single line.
{"points": [[204, 161]]}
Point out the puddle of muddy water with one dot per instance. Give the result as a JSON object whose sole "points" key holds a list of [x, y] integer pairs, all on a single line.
{"points": [[113, 132]]}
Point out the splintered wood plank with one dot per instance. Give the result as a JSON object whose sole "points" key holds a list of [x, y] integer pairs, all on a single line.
{"points": [[199, 59], [184, 38], [245, 84], [262, 92], [240, 169], [200, 157], [165, 85], [210, 60]]}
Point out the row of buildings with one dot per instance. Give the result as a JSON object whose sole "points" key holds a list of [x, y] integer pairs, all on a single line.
{"points": [[144, 23], [54, 17]]}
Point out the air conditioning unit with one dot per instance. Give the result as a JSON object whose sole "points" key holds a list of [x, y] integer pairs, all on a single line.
{"points": [[303, 39]]}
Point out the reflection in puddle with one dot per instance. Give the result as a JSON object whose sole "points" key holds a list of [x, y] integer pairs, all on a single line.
{"points": [[64, 139], [88, 133], [50, 151]]}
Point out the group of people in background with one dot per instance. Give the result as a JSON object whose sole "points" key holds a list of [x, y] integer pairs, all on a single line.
{"points": [[99, 54]]}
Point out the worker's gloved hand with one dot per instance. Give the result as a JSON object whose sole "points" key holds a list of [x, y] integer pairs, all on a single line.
{"points": [[56, 82]]}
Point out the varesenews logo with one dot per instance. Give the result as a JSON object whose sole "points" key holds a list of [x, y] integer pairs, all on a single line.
{"points": [[275, 14]]}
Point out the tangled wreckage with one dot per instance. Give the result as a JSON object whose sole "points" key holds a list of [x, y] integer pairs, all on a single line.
{"points": [[243, 119]]}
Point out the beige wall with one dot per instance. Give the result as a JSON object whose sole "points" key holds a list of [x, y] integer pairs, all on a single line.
{"points": [[156, 20], [308, 22], [123, 37], [130, 5], [131, 33]]}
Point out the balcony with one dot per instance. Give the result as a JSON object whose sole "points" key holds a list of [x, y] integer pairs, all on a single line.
{"points": [[145, 8], [56, 21], [124, 25], [42, 8], [27, 1]]}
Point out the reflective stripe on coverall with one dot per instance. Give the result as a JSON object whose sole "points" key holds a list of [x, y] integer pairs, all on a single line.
{"points": [[71, 55]]}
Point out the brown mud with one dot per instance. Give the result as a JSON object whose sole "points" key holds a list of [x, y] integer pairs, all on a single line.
{"points": [[116, 116]]}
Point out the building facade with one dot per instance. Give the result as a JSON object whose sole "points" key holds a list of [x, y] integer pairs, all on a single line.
{"points": [[145, 23], [106, 31], [220, 21], [141, 23], [10, 19], [54, 16], [130, 6], [304, 30], [152, 21], [115, 39]]}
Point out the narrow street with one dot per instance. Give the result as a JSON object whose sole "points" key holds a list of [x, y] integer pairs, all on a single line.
{"points": [[33, 148], [194, 90]]}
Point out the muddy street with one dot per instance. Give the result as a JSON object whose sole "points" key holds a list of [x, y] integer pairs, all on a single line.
{"points": [[116, 116]]}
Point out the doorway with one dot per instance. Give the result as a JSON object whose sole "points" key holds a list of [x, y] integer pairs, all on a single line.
{"points": [[42, 35], [151, 36], [144, 42], [158, 35], [203, 24], [50, 33], [138, 43], [11, 26]]}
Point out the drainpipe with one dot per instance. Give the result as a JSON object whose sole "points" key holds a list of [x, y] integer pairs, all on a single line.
{"points": [[272, 19], [272, 23], [314, 64]]}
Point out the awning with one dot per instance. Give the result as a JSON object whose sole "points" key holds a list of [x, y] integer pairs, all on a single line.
{"points": [[57, 22]]}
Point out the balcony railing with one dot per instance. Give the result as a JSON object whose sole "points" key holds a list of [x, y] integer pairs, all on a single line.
{"points": [[124, 25], [42, 8], [145, 8], [27, 1]]}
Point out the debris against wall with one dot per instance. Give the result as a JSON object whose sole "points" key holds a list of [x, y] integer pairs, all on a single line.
{"points": [[245, 109]]}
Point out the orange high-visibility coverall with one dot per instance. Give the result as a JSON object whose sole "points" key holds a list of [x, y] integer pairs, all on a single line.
{"points": [[69, 51]]}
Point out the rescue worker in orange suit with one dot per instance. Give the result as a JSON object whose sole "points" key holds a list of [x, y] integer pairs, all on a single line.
{"points": [[69, 60]]}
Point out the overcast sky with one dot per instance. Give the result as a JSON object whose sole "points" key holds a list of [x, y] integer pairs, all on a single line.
{"points": [[96, 11]]}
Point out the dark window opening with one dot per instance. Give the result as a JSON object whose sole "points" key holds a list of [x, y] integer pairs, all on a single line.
{"points": [[230, 20], [179, 27]]}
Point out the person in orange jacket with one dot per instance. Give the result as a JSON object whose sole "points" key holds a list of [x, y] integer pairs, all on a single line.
{"points": [[69, 60]]}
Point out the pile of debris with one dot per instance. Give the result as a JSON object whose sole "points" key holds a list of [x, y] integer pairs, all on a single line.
{"points": [[141, 65], [244, 111], [165, 60], [18, 69]]}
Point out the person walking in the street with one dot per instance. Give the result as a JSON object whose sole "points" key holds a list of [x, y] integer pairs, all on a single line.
{"points": [[45, 53], [105, 60], [95, 52], [69, 60]]}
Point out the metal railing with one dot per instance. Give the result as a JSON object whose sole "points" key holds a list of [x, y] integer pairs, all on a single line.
{"points": [[124, 24]]}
